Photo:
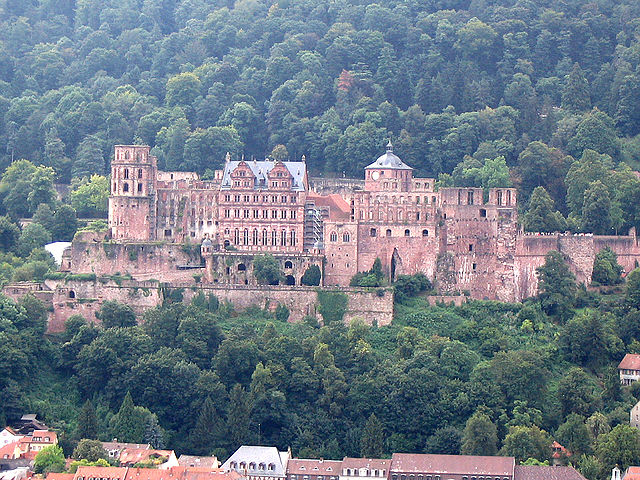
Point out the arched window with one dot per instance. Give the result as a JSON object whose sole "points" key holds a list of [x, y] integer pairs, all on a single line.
{"points": [[346, 238], [407, 233], [255, 237], [388, 232], [245, 237], [288, 264], [333, 237], [242, 267], [283, 238], [126, 173], [425, 233], [373, 232], [72, 294], [265, 238]]}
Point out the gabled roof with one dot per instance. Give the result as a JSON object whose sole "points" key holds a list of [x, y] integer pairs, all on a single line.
{"points": [[452, 464], [631, 361], [542, 472], [303, 466], [8, 449], [260, 170], [389, 160]]}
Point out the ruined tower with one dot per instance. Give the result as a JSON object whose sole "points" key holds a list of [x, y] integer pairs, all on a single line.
{"points": [[132, 200]]}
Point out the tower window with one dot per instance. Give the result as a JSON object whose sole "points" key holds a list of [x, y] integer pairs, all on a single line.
{"points": [[388, 232], [407, 233], [425, 233], [125, 188], [471, 247], [126, 173], [373, 232], [139, 173], [139, 187]]}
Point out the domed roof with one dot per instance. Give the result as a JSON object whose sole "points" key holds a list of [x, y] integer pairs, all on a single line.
{"points": [[389, 160], [206, 242]]}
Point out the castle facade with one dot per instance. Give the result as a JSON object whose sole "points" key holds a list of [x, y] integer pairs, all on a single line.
{"points": [[465, 239]]}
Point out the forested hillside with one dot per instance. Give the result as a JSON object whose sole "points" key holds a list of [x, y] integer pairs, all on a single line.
{"points": [[483, 378]]}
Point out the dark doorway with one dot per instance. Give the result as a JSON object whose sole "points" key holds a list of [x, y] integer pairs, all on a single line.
{"points": [[396, 262], [290, 280]]}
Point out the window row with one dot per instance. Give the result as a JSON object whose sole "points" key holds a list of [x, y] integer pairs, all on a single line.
{"points": [[261, 198], [346, 238], [407, 233], [238, 213], [257, 238]]}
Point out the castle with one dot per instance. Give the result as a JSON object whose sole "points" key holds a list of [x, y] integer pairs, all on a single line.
{"points": [[465, 239]]}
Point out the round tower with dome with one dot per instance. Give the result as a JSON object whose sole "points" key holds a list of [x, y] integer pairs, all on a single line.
{"points": [[388, 173]]}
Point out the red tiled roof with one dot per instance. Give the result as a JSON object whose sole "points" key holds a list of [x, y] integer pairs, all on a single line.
{"points": [[338, 206], [100, 472], [59, 476], [370, 463], [632, 473], [173, 473], [461, 464], [541, 472], [631, 361], [8, 449], [302, 466]]}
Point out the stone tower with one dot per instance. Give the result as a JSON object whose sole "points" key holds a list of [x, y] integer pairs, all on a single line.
{"points": [[388, 173], [132, 200]]}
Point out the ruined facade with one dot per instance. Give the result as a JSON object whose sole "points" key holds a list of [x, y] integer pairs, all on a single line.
{"points": [[465, 239]]}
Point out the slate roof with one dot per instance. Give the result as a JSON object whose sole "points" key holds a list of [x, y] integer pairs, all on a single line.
{"points": [[261, 169], [250, 454], [631, 361], [389, 160], [541, 472], [460, 464]]}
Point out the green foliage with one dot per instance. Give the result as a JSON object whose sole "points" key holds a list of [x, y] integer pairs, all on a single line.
{"points": [[541, 215], [90, 450], [90, 196], [557, 287], [33, 236], [527, 442], [266, 269], [281, 313], [372, 278], [87, 421], [332, 306], [114, 314], [606, 270], [411, 285], [49, 459], [480, 436], [372, 441], [311, 276]]}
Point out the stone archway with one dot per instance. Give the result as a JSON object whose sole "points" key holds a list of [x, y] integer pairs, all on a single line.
{"points": [[396, 263]]}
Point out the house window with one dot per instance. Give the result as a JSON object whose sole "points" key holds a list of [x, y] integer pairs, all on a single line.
{"points": [[126, 173], [125, 188], [473, 266], [418, 216], [469, 201], [139, 173], [139, 187]]}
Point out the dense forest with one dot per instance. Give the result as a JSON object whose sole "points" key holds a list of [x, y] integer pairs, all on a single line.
{"points": [[541, 95], [483, 378]]}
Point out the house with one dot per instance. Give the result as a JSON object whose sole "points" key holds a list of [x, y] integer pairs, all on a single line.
{"points": [[629, 369], [541, 472], [559, 454], [28, 423], [29, 445], [162, 459], [405, 466], [8, 435], [258, 463], [114, 448], [306, 469], [364, 468], [202, 462]]}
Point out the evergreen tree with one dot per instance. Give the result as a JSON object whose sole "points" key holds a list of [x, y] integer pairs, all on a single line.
{"points": [[596, 209], [239, 417], [372, 440], [556, 285], [575, 95], [126, 425], [153, 433], [606, 269], [207, 425], [87, 422], [480, 436], [542, 215]]}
